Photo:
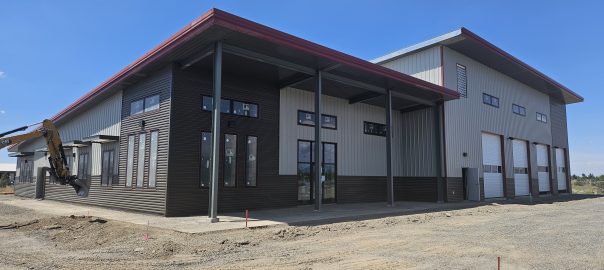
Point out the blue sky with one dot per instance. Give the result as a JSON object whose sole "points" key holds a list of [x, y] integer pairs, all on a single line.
{"points": [[53, 52]]}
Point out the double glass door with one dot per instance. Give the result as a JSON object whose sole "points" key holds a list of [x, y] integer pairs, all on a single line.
{"points": [[306, 167]]}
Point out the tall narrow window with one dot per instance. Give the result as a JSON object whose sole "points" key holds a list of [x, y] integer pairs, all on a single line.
{"points": [[108, 168], [153, 159], [206, 150], [83, 166], [230, 160], [130, 162], [462, 81], [251, 163], [140, 171]]}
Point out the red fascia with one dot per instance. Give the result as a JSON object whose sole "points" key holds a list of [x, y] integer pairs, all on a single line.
{"points": [[469, 34], [227, 20]]}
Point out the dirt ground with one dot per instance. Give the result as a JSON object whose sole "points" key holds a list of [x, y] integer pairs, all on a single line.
{"points": [[556, 235]]}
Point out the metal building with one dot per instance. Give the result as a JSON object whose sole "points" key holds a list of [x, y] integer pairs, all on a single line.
{"points": [[228, 114]]}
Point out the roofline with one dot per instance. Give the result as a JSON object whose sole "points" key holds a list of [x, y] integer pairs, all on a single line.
{"points": [[464, 32], [218, 17]]}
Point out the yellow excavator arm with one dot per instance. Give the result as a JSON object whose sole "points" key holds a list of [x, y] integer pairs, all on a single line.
{"points": [[56, 156]]}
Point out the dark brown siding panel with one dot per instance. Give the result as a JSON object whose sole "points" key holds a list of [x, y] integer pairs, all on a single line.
{"points": [[184, 195], [118, 195], [354, 189], [455, 191]]}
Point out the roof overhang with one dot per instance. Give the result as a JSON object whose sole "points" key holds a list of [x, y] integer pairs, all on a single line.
{"points": [[477, 48], [21, 154], [101, 139], [75, 144], [191, 43]]}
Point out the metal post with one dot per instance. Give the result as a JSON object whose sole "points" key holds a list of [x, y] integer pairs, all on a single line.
{"points": [[438, 153], [318, 154], [389, 178], [216, 132]]}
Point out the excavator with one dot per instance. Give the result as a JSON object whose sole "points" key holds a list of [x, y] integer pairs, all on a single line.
{"points": [[58, 170]]}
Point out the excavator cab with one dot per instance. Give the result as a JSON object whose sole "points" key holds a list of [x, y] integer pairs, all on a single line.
{"points": [[58, 170]]}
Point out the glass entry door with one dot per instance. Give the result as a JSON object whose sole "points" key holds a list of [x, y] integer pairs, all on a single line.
{"points": [[306, 167]]}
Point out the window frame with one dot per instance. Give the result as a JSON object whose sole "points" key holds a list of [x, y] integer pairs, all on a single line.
{"points": [[147, 110], [520, 109], [130, 160], [84, 171], [231, 106], [153, 165], [365, 123], [141, 166], [209, 160], [490, 102], [315, 120], [541, 117], [144, 104], [224, 162], [247, 154], [112, 166]]}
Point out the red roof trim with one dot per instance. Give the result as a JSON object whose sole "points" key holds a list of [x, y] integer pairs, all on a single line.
{"points": [[219, 17], [469, 34]]}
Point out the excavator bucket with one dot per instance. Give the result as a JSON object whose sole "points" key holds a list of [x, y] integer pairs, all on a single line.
{"points": [[82, 187]]}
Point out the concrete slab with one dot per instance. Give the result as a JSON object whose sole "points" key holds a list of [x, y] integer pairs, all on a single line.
{"points": [[302, 215]]}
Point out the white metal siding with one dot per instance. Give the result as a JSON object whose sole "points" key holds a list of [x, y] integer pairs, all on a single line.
{"points": [[491, 154], [521, 180], [542, 160], [358, 154], [466, 118], [560, 169], [424, 65]]}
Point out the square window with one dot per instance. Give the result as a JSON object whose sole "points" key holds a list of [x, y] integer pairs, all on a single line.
{"points": [[136, 107], [207, 103], [225, 106], [152, 103]]}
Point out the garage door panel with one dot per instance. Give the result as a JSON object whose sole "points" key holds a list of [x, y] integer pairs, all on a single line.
{"points": [[521, 177], [561, 169], [492, 166], [542, 168]]}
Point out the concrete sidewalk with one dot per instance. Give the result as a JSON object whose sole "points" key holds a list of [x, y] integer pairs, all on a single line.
{"points": [[302, 215]]}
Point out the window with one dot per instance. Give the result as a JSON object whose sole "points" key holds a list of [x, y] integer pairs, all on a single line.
{"points": [[130, 162], [520, 170], [542, 169], [206, 151], [308, 119], [108, 168], [83, 170], [153, 159], [137, 107], [251, 162], [374, 129], [541, 117], [329, 121], [462, 81], [519, 110], [245, 109], [144, 105], [491, 168], [140, 171], [230, 160], [229, 106], [490, 100], [152, 103]]}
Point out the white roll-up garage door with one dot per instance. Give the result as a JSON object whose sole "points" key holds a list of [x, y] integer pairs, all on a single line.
{"points": [[492, 166], [521, 177], [542, 168], [561, 168]]}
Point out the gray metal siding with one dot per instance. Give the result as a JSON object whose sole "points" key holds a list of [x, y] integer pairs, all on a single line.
{"points": [[418, 143], [358, 154], [559, 127], [425, 65], [102, 119], [467, 118]]}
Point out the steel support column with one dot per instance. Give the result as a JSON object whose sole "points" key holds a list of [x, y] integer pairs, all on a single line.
{"points": [[213, 215], [318, 153], [440, 185], [389, 177]]}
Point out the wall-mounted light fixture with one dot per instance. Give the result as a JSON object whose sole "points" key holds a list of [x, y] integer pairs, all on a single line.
{"points": [[511, 138], [142, 123], [464, 154]]}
